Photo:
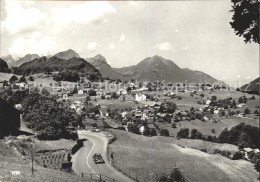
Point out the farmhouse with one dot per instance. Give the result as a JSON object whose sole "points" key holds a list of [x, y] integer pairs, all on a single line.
{"points": [[140, 97], [10, 119]]}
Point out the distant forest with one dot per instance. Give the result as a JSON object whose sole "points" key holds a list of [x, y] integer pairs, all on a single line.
{"points": [[53, 64]]}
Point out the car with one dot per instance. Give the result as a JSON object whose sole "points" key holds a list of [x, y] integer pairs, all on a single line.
{"points": [[97, 158], [95, 130]]}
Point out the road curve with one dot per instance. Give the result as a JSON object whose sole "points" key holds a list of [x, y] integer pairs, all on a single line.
{"points": [[83, 162]]}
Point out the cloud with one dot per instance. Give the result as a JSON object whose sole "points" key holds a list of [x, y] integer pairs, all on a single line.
{"points": [[112, 46], [20, 16], [33, 44], [133, 3], [122, 37], [92, 46], [83, 13], [165, 46]]}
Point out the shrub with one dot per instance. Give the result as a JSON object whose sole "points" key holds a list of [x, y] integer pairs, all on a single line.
{"points": [[183, 133], [164, 132], [246, 111], [173, 125], [237, 155]]}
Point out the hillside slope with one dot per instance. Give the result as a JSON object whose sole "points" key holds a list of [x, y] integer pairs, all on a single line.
{"points": [[252, 87]]}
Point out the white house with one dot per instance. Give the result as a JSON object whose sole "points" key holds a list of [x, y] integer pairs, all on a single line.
{"points": [[208, 101], [141, 130], [241, 105], [140, 97], [122, 92], [65, 96], [80, 92], [144, 117], [216, 111], [124, 114]]}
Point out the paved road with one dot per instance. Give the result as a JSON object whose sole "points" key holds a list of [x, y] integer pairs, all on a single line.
{"points": [[83, 162]]}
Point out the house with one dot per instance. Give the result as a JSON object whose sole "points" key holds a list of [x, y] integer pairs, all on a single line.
{"points": [[208, 101], [99, 92], [140, 97], [124, 114], [10, 119], [65, 96], [80, 92], [121, 92], [144, 117], [18, 107], [216, 111], [241, 105]]}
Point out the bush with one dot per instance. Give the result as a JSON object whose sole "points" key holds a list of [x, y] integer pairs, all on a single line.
{"points": [[256, 112], [237, 155], [94, 125], [183, 133], [164, 132], [173, 125], [246, 111]]}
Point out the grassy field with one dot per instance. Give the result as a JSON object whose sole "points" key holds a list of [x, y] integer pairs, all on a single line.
{"points": [[11, 161], [206, 127], [141, 154]]}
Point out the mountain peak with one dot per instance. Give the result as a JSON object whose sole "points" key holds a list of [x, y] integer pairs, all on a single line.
{"points": [[100, 58], [68, 54]]}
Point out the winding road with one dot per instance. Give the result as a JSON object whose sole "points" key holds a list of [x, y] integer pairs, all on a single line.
{"points": [[83, 162]]}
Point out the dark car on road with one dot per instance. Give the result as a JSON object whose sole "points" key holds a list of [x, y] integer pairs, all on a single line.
{"points": [[97, 158]]}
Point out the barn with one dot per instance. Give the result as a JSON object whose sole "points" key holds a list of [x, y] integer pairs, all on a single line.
{"points": [[9, 119]]}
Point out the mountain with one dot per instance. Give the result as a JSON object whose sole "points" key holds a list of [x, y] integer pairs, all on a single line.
{"points": [[26, 58], [253, 87], [105, 69], [198, 76], [9, 60], [3, 64], [67, 54], [43, 64], [158, 68]]}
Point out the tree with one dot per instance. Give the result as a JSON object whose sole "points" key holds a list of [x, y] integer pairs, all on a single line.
{"points": [[47, 117], [193, 133], [164, 132], [31, 78], [22, 79], [245, 20], [133, 128], [183, 133], [237, 155], [257, 166], [92, 93], [246, 111], [175, 176], [13, 79]]}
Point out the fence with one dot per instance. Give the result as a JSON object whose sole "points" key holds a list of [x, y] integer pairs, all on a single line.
{"points": [[98, 177]]}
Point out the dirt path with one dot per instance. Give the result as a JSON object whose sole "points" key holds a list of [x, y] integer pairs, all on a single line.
{"points": [[237, 170]]}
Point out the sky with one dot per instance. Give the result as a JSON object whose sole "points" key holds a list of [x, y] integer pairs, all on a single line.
{"points": [[193, 34]]}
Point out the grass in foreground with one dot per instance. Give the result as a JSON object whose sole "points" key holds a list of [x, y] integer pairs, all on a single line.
{"points": [[11, 161], [141, 154]]}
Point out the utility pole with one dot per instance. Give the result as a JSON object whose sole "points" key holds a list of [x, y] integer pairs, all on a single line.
{"points": [[32, 158]]}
